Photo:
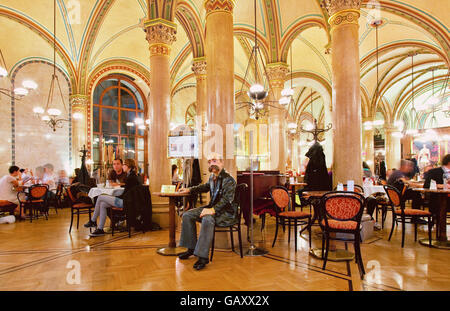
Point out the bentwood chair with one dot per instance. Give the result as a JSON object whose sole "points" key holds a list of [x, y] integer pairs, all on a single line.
{"points": [[341, 212], [56, 201], [405, 215], [78, 208], [282, 201], [236, 225], [35, 200]]}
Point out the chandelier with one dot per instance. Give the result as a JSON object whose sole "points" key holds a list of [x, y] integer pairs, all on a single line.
{"points": [[257, 102], [51, 116], [16, 93]]}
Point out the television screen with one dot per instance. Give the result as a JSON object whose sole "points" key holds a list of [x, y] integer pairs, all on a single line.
{"points": [[183, 147]]}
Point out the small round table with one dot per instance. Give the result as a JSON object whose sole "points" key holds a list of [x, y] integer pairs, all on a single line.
{"points": [[171, 249], [443, 196], [333, 253]]}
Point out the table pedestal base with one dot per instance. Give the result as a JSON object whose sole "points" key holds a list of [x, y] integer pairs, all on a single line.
{"points": [[336, 255], [171, 251], [435, 243]]}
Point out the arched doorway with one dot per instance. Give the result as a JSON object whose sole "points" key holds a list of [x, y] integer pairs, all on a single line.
{"points": [[117, 102]]}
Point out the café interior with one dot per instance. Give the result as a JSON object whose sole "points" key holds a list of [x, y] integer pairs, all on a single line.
{"points": [[315, 109]]}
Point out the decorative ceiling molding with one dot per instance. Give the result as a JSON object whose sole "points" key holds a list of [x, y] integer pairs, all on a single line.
{"points": [[191, 24], [424, 20], [47, 36], [99, 14], [113, 66]]}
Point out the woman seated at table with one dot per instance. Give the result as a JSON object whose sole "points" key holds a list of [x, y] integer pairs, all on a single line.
{"points": [[9, 185], [107, 201]]}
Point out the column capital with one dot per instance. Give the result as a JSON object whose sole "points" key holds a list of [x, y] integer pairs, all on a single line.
{"points": [[160, 35], [336, 6], [79, 101], [342, 12], [276, 73], [213, 6], [199, 67]]}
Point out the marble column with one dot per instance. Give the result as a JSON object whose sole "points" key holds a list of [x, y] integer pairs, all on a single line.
{"points": [[277, 117], [160, 36], [79, 104], [199, 69], [368, 146], [346, 101], [219, 47], [393, 147]]}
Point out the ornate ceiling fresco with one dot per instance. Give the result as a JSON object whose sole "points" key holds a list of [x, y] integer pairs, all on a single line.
{"points": [[96, 37]]}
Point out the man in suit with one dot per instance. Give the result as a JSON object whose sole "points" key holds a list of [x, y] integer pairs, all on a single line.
{"points": [[437, 174], [221, 210]]}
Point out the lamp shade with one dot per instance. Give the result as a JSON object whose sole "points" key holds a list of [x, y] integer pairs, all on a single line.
{"points": [[3, 72], [54, 112], [21, 91]]}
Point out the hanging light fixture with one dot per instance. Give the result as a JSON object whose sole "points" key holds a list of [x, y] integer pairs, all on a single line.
{"points": [[51, 116], [257, 104], [16, 93]]}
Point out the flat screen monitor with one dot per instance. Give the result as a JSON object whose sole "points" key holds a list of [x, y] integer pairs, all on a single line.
{"points": [[183, 147]]}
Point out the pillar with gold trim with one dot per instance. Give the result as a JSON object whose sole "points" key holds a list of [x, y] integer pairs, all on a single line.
{"points": [[79, 104], [393, 147], [219, 49], [160, 36], [277, 117], [346, 101], [368, 145], [199, 69]]}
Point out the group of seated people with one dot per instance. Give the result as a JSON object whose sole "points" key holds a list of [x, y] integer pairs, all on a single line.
{"points": [[124, 173], [12, 183]]}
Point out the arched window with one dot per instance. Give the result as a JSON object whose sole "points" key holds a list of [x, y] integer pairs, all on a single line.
{"points": [[118, 101]]}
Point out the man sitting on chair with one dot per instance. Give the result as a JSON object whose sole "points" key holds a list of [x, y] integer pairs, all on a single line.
{"points": [[220, 211]]}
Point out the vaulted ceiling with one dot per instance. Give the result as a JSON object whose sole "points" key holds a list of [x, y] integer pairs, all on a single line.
{"points": [[94, 36]]}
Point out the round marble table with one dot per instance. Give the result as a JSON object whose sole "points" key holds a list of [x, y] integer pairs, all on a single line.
{"points": [[443, 197], [171, 249]]}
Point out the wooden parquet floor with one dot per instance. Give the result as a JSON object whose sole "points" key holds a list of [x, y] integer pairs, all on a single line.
{"points": [[37, 256]]}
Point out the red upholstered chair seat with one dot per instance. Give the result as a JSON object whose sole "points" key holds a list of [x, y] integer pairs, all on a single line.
{"points": [[4, 203], [294, 214], [345, 225], [82, 205], [413, 212]]}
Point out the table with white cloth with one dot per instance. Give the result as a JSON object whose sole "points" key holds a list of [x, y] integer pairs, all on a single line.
{"points": [[115, 192], [371, 189]]}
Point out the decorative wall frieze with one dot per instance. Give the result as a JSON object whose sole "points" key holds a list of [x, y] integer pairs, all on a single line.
{"points": [[213, 6]]}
